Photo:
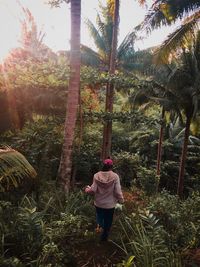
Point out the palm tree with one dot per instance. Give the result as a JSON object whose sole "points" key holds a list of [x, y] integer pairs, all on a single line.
{"points": [[159, 91], [185, 84], [65, 167], [108, 57], [15, 170], [102, 36], [73, 96], [107, 136], [164, 12], [182, 94], [126, 58]]}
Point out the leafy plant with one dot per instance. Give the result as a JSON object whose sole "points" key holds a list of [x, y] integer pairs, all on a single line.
{"points": [[148, 180], [29, 231], [127, 263], [144, 238], [180, 219], [40, 141], [51, 255], [127, 167], [79, 203], [14, 169]]}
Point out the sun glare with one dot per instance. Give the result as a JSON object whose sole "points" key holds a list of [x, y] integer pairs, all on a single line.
{"points": [[55, 23], [9, 28]]}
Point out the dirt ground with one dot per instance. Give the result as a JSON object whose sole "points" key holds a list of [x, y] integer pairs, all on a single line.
{"points": [[98, 254]]}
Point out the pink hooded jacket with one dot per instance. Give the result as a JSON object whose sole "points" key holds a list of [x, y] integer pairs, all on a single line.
{"points": [[107, 189]]}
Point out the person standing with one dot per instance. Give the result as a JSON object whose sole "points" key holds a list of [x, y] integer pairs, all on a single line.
{"points": [[107, 193]]}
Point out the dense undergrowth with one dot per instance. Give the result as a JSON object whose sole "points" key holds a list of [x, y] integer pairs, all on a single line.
{"points": [[46, 228], [157, 231]]}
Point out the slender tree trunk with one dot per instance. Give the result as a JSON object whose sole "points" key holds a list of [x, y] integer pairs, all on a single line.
{"points": [[65, 167], [159, 152], [107, 132], [183, 157]]}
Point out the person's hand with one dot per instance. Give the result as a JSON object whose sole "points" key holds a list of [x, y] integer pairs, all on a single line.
{"points": [[121, 201], [118, 207], [88, 189]]}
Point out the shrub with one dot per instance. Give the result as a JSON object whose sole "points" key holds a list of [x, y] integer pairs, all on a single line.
{"points": [[70, 227], [40, 141], [127, 167], [86, 156], [144, 239], [29, 232], [21, 231], [147, 180], [179, 218], [53, 256]]}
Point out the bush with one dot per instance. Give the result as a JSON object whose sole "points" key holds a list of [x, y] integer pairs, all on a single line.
{"points": [[179, 218], [144, 238], [86, 157], [127, 167], [40, 141], [21, 231], [70, 228], [53, 256], [147, 180]]}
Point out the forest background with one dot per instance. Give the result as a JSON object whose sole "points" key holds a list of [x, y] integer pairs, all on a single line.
{"points": [[138, 106]]}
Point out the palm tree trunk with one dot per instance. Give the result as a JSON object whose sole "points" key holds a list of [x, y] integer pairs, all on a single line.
{"points": [[107, 130], [159, 153], [65, 167], [107, 133], [183, 157]]}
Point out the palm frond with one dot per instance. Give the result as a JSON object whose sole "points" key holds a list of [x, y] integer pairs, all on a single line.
{"points": [[98, 39], [107, 29], [169, 104], [90, 57], [14, 169], [164, 12], [179, 38], [197, 49], [126, 44]]}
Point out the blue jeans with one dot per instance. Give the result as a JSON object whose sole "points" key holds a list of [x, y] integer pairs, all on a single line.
{"points": [[104, 220]]}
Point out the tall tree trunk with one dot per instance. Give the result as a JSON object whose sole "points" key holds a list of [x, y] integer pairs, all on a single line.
{"points": [[159, 152], [65, 167], [107, 132], [183, 157]]}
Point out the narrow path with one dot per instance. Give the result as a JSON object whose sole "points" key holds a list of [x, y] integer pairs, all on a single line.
{"points": [[98, 254], [93, 253]]}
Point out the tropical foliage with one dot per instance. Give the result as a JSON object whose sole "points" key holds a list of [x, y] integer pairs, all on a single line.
{"points": [[14, 169], [155, 146], [168, 12]]}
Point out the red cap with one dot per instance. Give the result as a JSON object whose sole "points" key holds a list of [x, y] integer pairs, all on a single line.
{"points": [[108, 162]]}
